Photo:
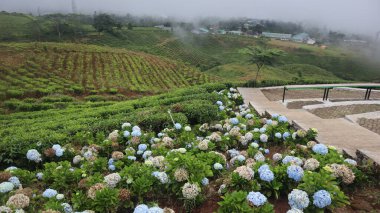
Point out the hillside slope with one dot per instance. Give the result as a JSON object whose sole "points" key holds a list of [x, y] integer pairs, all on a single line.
{"points": [[41, 68]]}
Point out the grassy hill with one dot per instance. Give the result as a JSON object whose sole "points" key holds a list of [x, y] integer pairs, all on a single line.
{"points": [[37, 69]]}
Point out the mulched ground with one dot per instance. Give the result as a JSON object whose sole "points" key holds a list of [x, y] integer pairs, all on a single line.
{"points": [[341, 111], [276, 94], [300, 104], [371, 124]]}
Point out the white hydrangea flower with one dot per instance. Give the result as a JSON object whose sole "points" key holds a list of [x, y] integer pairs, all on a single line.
{"points": [[112, 179]]}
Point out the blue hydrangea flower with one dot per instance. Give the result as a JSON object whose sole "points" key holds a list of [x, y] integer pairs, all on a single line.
{"points": [[266, 175], [147, 154], [248, 116], [139, 152], [136, 133], [48, 193], [111, 161], [275, 115], [67, 208], [39, 175], [131, 158], [240, 158], [282, 119], [264, 138], [155, 209], [15, 181], [218, 166], [6, 187], [126, 134], [142, 208], [205, 181], [321, 199], [298, 199], [263, 167], [278, 135], [233, 152], [256, 198], [56, 146], [112, 167], [178, 126], [142, 147], [351, 161], [219, 103], [33, 155], [262, 130], [234, 121], [285, 135], [292, 159], [160, 134], [320, 149], [221, 108], [295, 172], [266, 151], [136, 128], [59, 152], [269, 122]]}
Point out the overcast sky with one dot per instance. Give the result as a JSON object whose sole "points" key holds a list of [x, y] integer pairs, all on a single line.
{"points": [[357, 16]]}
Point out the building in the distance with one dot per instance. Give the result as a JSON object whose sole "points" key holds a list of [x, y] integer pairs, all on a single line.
{"points": [[280, 36]]}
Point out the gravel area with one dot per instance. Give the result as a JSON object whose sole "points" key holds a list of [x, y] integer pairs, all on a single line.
{"points": [[300, 104], [370, 124], [341, 111], [276, 94]]}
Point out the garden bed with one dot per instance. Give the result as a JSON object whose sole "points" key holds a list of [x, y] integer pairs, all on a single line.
{"points": [[276, 94], [300, 104], [237, 162], [341, 111]]}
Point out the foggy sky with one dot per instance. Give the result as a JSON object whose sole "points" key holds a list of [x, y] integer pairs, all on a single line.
{"points": [[355, 16]]}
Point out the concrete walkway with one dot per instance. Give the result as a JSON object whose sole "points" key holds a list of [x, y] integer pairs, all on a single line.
{"points": [[351, 138]]}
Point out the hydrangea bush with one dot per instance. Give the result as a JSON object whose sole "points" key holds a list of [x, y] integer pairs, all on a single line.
{"points": [[235, 156]]}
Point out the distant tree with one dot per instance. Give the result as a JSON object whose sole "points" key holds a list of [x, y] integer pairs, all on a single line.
{"points": [[104, 23], [258, 29], [130, 26], [261, 56]]}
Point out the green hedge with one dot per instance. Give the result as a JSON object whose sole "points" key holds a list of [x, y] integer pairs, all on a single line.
{"points": [[24, 130]]}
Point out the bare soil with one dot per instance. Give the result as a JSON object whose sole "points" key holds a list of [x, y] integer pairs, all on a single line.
{"points": [[370, 124], [341, 111]]}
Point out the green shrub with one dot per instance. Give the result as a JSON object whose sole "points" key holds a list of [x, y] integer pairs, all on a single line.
{"points": [[95, 98], [14, 93], [159, 121], [57, 98], [199, 112]]}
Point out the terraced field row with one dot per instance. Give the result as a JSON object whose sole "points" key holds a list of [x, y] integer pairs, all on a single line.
{"points": [[69, 69]]}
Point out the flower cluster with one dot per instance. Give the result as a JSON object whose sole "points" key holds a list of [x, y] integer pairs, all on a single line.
{"points": [[6, 187], [18, 201], [33, 155], [298, 199], [256, 198], [181, 174], [112, 179], [344, 172], [295, 172], [190, 191], [245, 172], [161, 176], [320, 149], [311, 164], [321, 199], [49, 193]]}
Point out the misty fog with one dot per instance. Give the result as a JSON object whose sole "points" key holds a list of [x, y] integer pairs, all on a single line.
{"points": [[353, 16]]}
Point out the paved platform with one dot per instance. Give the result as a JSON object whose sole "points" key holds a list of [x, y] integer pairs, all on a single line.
{"points": [[353, 139]]}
